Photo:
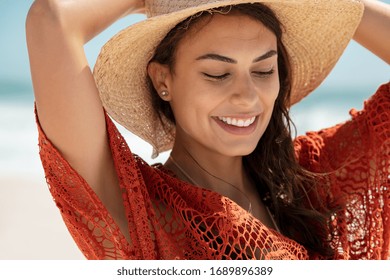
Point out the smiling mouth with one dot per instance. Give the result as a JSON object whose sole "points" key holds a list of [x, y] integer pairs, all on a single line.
{"points": [[237, 121]]}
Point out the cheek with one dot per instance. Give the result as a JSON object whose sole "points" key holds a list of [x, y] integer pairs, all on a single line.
{"points": [[190, 94], [275, 86], [269, 99], [189, 106], [192, 111], [269, 92]]}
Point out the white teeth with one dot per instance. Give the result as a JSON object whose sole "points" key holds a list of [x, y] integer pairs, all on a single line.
{"points": [[237, 122], [247, 122]]}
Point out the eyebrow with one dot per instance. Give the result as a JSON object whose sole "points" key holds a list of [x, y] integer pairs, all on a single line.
{"points": [[222, 58]]}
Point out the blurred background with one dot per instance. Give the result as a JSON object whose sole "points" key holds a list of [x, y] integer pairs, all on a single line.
{"points": [[30, 224]]}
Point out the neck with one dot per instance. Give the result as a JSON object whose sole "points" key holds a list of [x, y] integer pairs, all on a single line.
{"points": [[207, 169]]}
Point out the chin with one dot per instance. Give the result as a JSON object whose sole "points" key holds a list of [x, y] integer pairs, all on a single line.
{"points": [[241, 151]]}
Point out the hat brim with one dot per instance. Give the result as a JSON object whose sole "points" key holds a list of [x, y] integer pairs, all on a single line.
{"points": [[315, 35]]}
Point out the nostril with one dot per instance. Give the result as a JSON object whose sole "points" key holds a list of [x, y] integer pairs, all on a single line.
{"points": [[244, 98]]}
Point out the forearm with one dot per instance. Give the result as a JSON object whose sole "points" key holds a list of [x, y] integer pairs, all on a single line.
{"points": [[80, 19], [373, 31]]}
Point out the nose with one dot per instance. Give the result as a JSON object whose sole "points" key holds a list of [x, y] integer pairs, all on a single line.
{"points": [[244, 92]]}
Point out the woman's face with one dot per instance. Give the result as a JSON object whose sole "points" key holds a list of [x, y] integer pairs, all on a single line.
{"points": [[224, 84]]}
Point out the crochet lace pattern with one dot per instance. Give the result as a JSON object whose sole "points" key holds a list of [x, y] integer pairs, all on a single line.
{"points": [[171, 219]]}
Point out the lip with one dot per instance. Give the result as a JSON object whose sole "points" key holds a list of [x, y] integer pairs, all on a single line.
{"points": [[236, 130]]}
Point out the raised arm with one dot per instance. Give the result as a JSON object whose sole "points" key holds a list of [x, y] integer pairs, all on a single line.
{"points": [[67, 101], [374, 30]]}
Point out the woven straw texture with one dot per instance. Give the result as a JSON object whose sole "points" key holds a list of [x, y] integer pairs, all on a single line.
{"points": [[315, 35]]}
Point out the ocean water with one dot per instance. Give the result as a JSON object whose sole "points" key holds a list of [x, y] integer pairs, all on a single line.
{"points": [[19, 151], [18, 134], [18, 144]]}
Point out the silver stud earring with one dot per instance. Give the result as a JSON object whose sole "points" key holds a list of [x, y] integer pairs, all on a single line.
{"points": [[164, 93]]}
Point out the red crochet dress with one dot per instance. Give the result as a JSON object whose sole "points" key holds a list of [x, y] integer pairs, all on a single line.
{"points": [[171, 219]]}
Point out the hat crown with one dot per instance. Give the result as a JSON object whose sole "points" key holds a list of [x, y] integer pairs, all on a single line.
{"points": [[161, 7]]}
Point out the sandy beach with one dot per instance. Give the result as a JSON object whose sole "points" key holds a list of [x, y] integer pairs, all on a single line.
{"points": [[31, 227]]}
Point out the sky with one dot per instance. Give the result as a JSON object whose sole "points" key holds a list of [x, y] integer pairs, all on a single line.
{"points": [[358, 67]]}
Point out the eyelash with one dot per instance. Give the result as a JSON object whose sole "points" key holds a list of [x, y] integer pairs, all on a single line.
{"points": [[265, 74], [224, 76], [220, 77]]}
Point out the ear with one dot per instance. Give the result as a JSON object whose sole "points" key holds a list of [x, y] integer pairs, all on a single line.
{"points": [[161, 78]]}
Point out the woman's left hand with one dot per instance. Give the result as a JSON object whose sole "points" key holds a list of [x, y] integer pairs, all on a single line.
{"points": [[373, 31]]}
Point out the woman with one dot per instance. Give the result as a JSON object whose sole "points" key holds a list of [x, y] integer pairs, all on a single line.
{"points": [[215, 87]]}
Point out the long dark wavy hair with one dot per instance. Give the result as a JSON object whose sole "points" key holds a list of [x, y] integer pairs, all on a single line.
{"points": [[285, 187]]}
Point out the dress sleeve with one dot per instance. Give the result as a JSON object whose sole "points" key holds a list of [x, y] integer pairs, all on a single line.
{"points": [[87, 219], [354, 159]]}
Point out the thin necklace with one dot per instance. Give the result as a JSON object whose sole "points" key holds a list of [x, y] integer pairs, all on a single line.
{"points": [[192, 180]]}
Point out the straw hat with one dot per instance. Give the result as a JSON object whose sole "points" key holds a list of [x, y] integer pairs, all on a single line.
{"points": [[316, 33]]}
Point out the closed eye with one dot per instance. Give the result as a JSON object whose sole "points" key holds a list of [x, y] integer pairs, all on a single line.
{"points": [[217, 77], [264, 73]]}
